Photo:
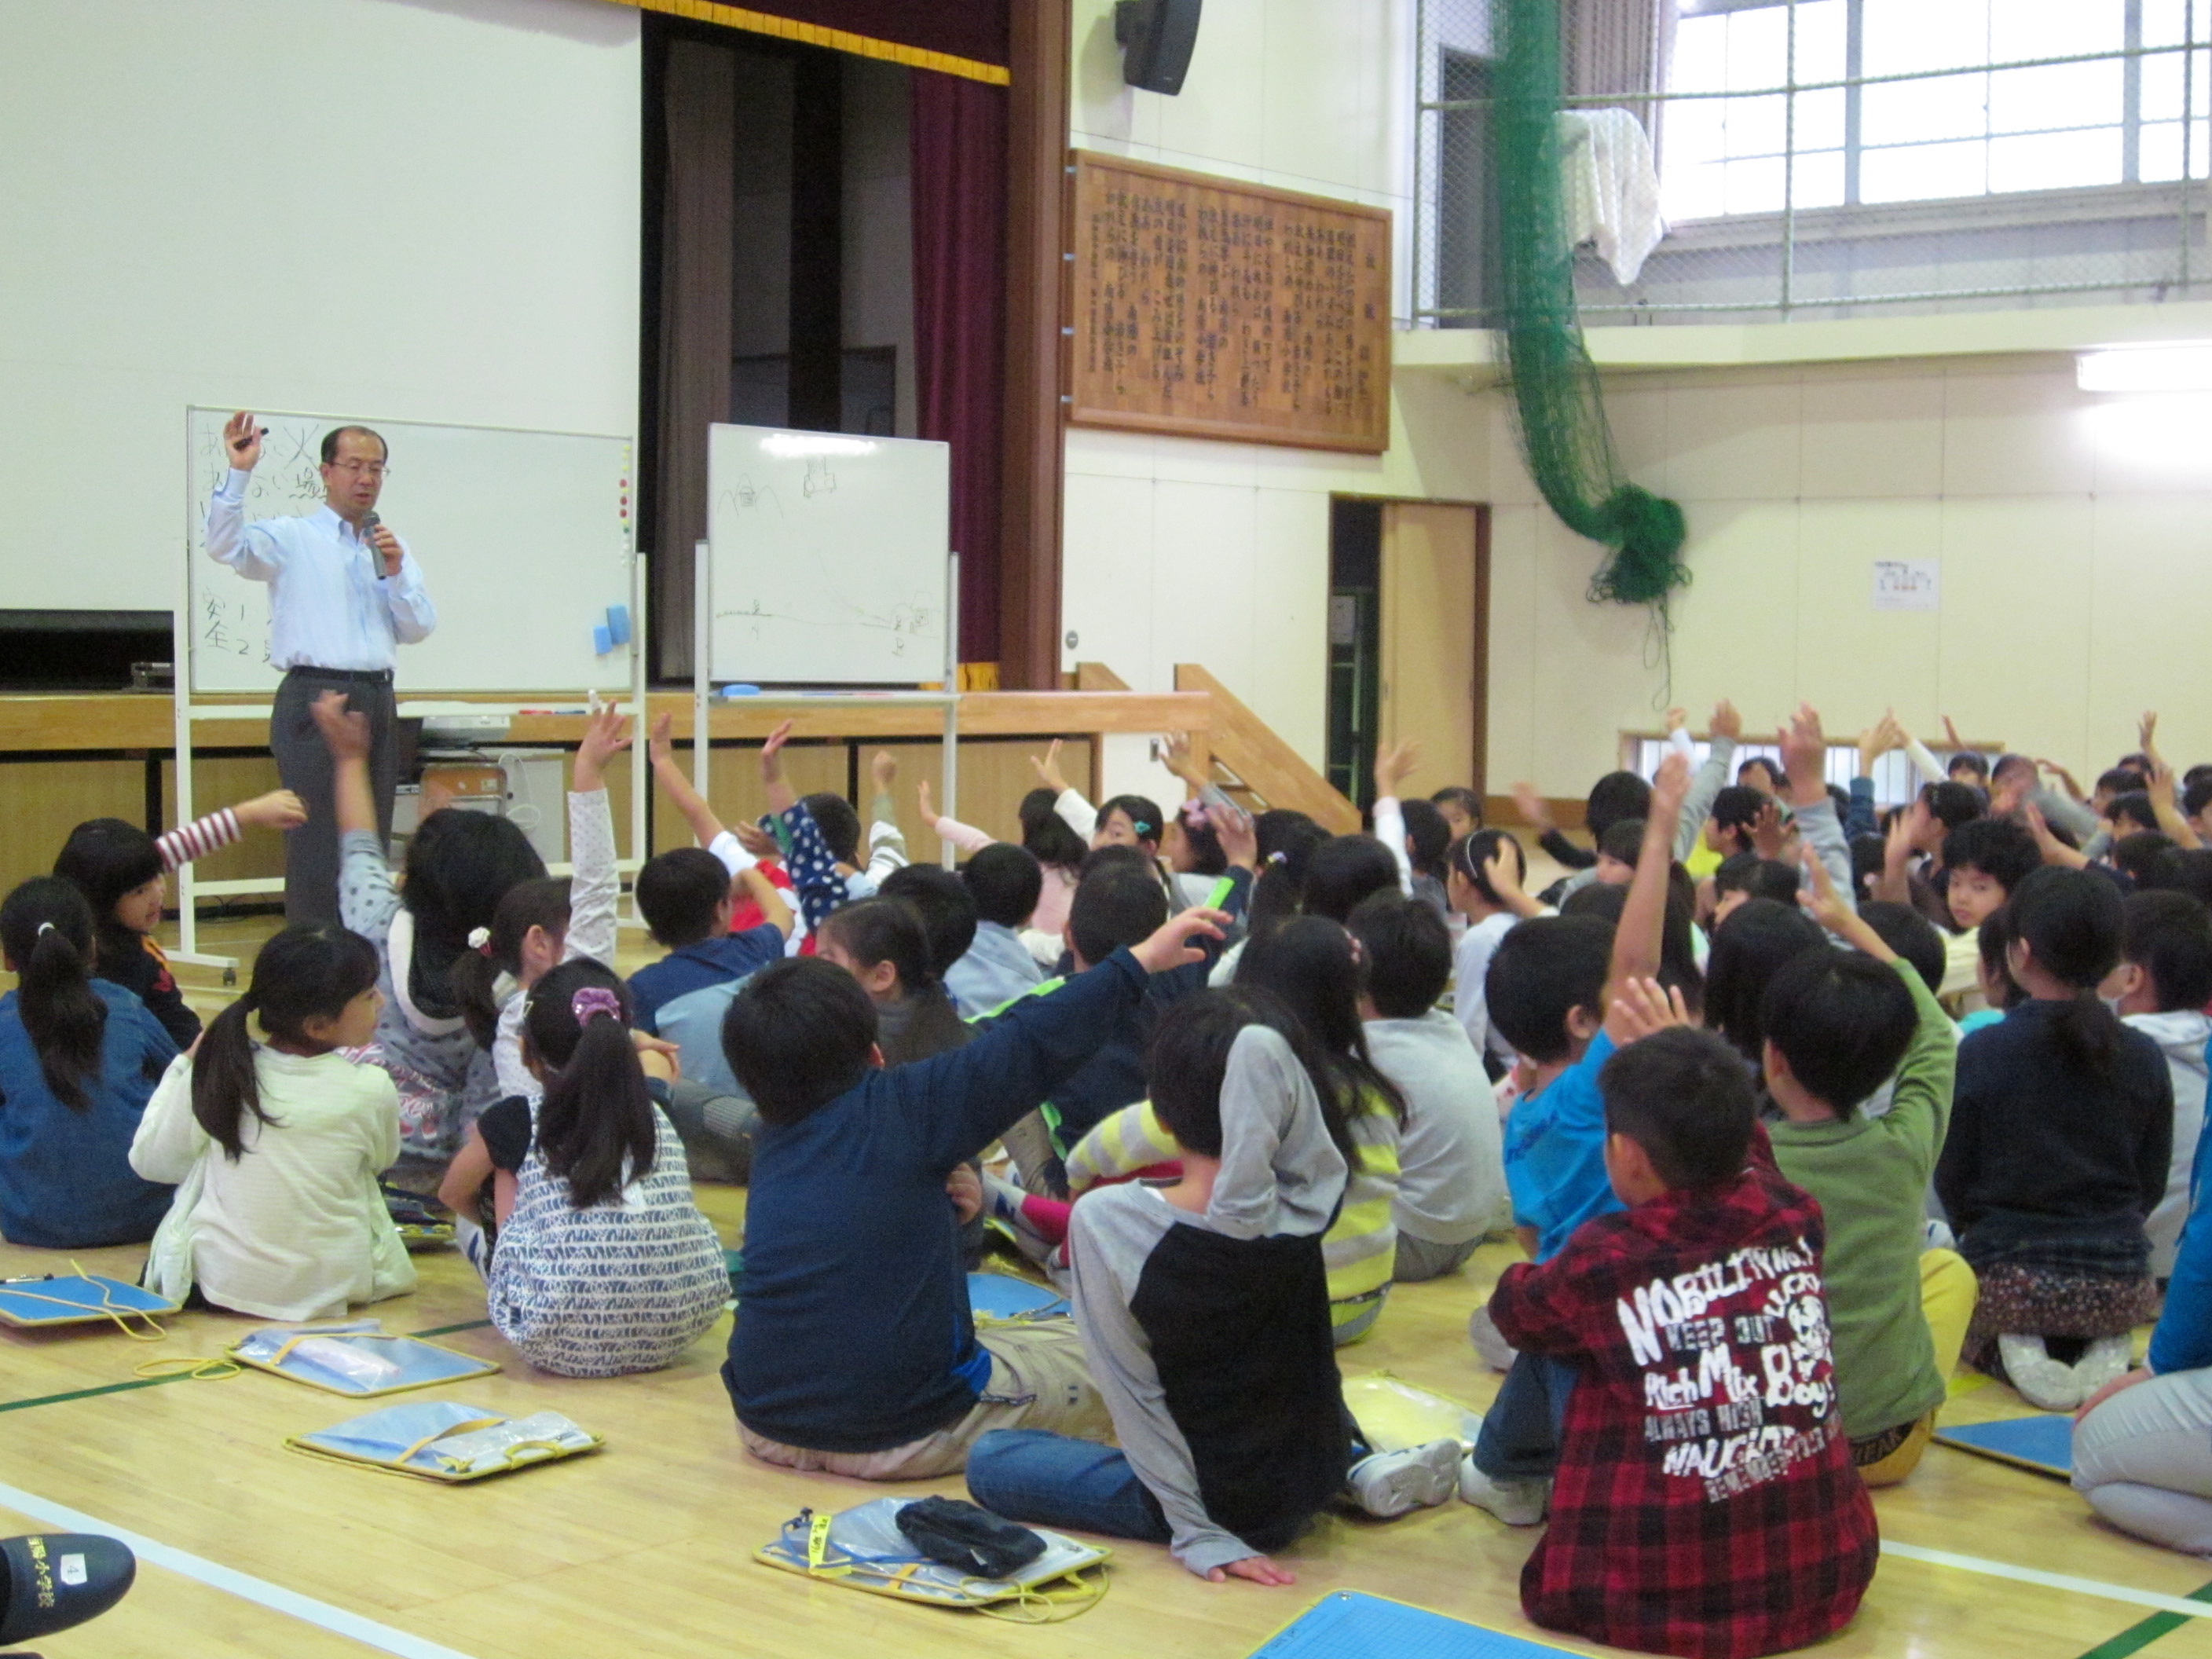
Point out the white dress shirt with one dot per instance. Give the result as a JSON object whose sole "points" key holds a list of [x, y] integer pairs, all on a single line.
{"points": [[330, 603]]}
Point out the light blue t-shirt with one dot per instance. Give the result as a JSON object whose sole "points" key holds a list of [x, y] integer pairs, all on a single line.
{"points": [[1555, 1152]]}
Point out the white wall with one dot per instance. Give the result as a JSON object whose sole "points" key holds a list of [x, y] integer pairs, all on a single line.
{"points": [[1183, 550], [423, 209]]}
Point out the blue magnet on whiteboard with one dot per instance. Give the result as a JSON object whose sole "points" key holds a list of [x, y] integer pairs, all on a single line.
{"points": [[602, 642], [740, 690], [618, 623]]}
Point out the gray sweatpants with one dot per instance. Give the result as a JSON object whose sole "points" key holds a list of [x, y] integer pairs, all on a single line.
{"points": [[2143, 1459], [303, 763]]}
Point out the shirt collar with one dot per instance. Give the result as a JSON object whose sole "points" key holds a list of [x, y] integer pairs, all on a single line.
{"points": [[325, 518]]}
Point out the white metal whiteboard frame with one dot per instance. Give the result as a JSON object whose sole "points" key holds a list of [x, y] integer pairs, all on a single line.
{"points": [[702, 690], [184, 709]]}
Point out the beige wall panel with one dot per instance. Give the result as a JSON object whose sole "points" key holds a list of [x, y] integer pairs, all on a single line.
{"points": [[1431, 655]]}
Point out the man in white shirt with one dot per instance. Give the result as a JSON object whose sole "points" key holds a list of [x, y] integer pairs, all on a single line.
{"points": [[344, 593]]}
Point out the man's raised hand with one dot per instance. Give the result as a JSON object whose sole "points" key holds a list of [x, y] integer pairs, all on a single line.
{"points": [[241, 441]]}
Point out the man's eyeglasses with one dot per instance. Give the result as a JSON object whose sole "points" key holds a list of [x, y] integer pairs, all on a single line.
{"points": [[356, 468]]}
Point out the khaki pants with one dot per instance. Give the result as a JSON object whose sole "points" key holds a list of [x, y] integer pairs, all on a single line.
{"points": [[1948, 1293], [1040, 1379]]}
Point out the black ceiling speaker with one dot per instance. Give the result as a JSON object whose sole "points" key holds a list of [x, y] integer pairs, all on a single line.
{"points": [[1156, 37]]}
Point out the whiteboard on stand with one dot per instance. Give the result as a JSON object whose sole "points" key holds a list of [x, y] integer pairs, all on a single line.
{"points": [[524, 540], [827, 557]]}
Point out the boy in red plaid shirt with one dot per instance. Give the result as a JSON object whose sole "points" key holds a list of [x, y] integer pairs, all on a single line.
{"points": [[1705, 1503]]}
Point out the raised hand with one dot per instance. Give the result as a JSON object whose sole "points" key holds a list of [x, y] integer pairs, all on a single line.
{"points": [[241, 441], [1676, 719], [1726, 722], [882, 770], [1951, 735], [1238, 835], [1394, 763], [1804, 755], [280, 809], [1768, 837], [1822, 901], [755, 839], [1170, 946], [606, 734], [927, 805], [1530, 805], [2147, 733], [1669, 785], [345, 733], [1174, 754], [659, 747], [1047, 770], [1643, 1007], [781, 796]]}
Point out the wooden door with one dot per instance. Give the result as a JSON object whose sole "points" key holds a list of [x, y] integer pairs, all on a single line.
{"points": [[1435, 596]]}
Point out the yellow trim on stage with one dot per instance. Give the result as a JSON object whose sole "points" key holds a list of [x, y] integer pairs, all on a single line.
{"points": [[813, 34]]}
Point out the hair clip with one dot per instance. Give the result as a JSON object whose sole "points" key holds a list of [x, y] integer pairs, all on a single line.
{"points": [[45, 928], [480, 939], [1279, 857], [593, 1001]]}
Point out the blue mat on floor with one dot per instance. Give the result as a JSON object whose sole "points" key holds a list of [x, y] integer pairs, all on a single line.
{"points": [[1001, 1297], [2044, 1443], [73, 1298], [1347, 1625]]}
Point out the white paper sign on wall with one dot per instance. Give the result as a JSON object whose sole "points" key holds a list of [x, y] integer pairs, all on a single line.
{"points": [[1906, 584]]}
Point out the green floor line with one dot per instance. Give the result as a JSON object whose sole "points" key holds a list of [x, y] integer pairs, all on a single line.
{"points": [[2136, 1638], [88, 1394], [447, 1330]]}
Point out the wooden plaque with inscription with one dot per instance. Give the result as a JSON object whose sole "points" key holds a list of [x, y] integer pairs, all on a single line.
{"points": [[1213, 309]]}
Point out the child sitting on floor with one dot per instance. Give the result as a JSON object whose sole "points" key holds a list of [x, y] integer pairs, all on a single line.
{"points": [[2162, 985], [275, 1146], [1705, 1503], [2060, 1142], [838, 1362], [1839, 1024], [601, 1264], [79, 1058], [122, 873], [884, 944], [1485, 876], [1057, 850], [1005, 881], [1203, 1308]]}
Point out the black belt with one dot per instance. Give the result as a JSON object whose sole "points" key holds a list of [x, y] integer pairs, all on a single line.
{"points": [[348, 676]]}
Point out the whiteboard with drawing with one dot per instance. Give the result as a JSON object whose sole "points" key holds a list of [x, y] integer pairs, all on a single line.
{"points": [[828, 558], [524, 538]]}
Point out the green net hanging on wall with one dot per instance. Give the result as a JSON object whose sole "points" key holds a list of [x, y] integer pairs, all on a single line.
{"points": [[1560, 408]]}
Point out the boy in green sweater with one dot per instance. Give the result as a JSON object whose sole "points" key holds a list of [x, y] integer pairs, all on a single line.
{"points": [[1838, 1022]]}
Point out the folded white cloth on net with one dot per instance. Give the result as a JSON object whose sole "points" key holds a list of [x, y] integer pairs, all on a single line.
{"points": [[1609, 187]]}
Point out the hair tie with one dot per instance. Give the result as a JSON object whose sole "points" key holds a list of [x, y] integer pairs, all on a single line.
{"points": [[593, 1001], [1279, 857], [480, 939], [45, 928]]}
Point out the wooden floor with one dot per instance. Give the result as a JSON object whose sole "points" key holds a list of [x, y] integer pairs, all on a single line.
{"points": [[645, 1549]]}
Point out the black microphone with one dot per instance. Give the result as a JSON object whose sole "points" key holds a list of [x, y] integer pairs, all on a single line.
{"points": [[368, 523]]}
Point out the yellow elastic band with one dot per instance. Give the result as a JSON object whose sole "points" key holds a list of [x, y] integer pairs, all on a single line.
{"points": [[200, 1370]]}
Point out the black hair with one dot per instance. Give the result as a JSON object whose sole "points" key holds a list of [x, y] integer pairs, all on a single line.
{"points": [[678, 893], [1737, 808], [2134, 807], [1911, 935], [1748, 950], [2196, 797], [1117, 904], [2137, 855], [459, 866], [1145, 815], [1287, 846], [1841, 1020], [1998, 848], [1459, 795], [1005, 881], [1991, 940], [2005, 764], [1840, 798], [1682, 1095], [45, 928], [880, 930], [2121, 781], [2196, 774], [1622, 841], [797, 1035], [1471, 852], [542, 903], [1187, 1060], [1201, 841], [330, 442], [1972, 762], [1869, 857], [1409, 953], [946, 906], [1756, 878], [1678, 955], [1616, 796], [1313, 966], [2181, 870], [311, 970], [840, 824], [1344, 870], [595, 1126], [1604, 900], [2071, 922], [1765, 764], [1118, 855], [1046, 834], [2169, 936], [1953, 803], [1543, 970], [1426, 834], [106, 859]]}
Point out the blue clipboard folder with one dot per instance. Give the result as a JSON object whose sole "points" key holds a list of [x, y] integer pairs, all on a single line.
{"points": [[74, 1300], [2044, 1443], [1003, 1299], [1349, 1625]]}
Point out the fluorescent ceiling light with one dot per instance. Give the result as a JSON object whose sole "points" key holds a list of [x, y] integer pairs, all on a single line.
{"points": [[2178, 365], [807, 443]]}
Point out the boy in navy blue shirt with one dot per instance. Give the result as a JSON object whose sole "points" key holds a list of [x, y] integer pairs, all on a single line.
{"points": [[854, 1351], [685, 897]]}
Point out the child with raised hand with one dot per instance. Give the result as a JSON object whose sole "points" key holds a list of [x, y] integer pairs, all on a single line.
{"points": [[1838, 1024], [1414, 832], [79, 1058], [836, 1364], [122, 873], [601, 1265], [459, 866], [275, 1146], [1485, 875], [2060, 1144], [1202, 1307], [2161, 987], [1057, 850], [1551, 988], [1705, 1503]]}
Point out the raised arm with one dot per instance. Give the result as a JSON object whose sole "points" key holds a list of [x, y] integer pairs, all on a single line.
{"points": [[782, 797], [280, 809], [1077, 813], [346, 735], [886, 844], [688, 801], [594, 886], [966, 838], [1805, 759], [1636, 940], [775, 910], [1538, 815], [1710, 778], [1393, 764]]}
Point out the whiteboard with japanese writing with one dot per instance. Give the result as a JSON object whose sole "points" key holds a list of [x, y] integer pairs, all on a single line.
{"points": [[828, 557], [524, 540]]}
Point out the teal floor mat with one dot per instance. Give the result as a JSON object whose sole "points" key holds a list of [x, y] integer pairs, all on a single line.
{"points": [[1345, 1624]]}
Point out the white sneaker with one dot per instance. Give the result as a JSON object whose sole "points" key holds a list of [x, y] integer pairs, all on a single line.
{"points": [[1387, 1484], [1516, 1503], [2036, 1376], [2105, 1361], [1497, 1352]]}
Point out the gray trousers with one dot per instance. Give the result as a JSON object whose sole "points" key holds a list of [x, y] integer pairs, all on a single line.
{"points": [[303, 763], [2143, 1459]]}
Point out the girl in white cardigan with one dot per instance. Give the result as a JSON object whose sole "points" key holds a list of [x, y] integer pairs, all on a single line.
{"points": [[275, 1147]]}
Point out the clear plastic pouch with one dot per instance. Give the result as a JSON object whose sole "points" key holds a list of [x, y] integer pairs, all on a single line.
{"points": [[354, 1358], [449, 1440]]}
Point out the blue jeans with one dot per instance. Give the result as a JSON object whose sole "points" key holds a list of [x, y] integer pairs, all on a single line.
{"points": [[1521, 1432], [1047, 1479]]}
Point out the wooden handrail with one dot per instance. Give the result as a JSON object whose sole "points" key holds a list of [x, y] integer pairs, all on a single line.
{"points": [[1266, 766]]}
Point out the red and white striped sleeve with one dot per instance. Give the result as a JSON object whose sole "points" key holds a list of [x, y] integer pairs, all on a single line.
{"points": [[197, 839]]}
